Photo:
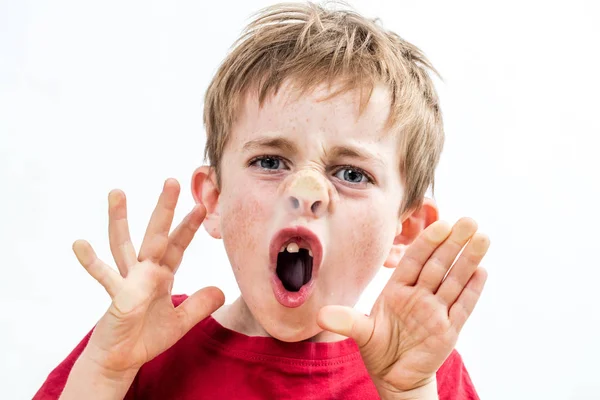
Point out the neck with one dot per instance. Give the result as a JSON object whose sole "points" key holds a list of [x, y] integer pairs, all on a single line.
{"points": [[238, 317]]}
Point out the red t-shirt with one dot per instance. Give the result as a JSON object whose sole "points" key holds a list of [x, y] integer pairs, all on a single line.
{"points": [[213, 362]]}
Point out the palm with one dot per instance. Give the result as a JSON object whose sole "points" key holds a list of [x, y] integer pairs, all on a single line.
{"points": [[419, 328], [152, 325], [426, 303], [142, 321], [415, 322]]}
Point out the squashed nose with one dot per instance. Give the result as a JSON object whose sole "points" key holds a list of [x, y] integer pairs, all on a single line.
{"points": [[307, 193]]}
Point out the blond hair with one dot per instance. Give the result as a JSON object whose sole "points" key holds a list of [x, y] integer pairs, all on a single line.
{"points": [[311, 45]]}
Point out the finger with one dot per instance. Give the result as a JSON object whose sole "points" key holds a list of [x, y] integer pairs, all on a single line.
{"points": [[463, 307], [182, 236], [157, 234], [198, 306], [443, 257], [118, 232], [419, 251], [105, 275], [463, 269], [348, 322]]}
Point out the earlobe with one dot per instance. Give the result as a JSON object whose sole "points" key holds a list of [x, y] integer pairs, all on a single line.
{"points": [[206, 192], [409, 228]]}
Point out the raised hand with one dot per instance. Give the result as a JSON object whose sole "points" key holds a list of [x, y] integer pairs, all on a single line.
{"points": [[141, 321], [415, 322]]}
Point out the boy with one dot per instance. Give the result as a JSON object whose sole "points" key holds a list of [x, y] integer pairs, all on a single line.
{"points": [[323, 134]]}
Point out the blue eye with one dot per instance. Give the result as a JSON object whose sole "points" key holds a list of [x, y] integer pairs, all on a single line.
{"points": [[268, 163], [352, 175]]}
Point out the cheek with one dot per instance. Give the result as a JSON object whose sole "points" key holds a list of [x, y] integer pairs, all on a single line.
{"points": [[366, 245], [372, 242], [370, 230], [243, 212]]}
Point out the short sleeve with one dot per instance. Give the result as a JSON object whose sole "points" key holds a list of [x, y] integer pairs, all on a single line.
{"points": [[453, 380], [55, 382]]}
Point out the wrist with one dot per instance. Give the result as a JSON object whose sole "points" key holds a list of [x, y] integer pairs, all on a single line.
{"points": [[108, 366], [88, 379], [95, 366], [427, 391]]}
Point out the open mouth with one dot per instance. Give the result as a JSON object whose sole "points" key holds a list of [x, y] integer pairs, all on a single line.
{"points": [[294, 266], [295, 256]]}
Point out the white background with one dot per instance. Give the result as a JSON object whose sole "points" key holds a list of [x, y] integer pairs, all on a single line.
{"points": [[98, 95]]}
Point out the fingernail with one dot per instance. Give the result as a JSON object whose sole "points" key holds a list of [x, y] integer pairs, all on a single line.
{"points": [[440, 232], [464, 229], [114, 197], [338, 320], [481, 243]]}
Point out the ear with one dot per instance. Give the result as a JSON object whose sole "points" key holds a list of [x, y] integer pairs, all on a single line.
{"points": [[409, 227], [206, 192]]}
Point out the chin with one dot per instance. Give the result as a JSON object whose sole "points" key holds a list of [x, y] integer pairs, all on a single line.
{"points": [[285, 324], [289, 334]]}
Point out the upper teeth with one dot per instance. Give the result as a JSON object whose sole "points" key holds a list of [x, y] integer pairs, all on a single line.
{"points": [[293, 248]]}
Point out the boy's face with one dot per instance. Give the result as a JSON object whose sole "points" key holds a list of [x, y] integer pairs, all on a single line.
{"points": [[313, 165]]}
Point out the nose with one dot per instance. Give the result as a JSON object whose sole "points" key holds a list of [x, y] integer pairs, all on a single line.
{"points": [[307, 193]]}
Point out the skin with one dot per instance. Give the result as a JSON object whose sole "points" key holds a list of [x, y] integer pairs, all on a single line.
{"points": [[414, 323], [356, 225]]}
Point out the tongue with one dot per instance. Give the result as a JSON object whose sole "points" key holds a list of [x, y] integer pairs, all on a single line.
{"points": [[292, 274], [294, 269]]}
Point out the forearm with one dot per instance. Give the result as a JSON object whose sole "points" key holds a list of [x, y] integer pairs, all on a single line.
{"points": [[425, 392], [88, 381]]}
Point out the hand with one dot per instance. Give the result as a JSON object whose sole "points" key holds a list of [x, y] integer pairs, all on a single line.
{"points": [[141, 321], [415, 322]]}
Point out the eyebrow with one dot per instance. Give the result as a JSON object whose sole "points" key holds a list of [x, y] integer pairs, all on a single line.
{"points": [[286, 145], [356, 153], [276, 143]]}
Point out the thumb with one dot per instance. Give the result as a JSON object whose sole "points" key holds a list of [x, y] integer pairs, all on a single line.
{"points": [[199, 306], [348, 322]]}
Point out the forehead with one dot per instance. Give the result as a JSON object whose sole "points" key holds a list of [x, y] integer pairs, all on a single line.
{"points": [[316, 114]]}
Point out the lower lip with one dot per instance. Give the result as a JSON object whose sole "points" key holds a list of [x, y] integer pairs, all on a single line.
{"points": [[291, 299]]}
